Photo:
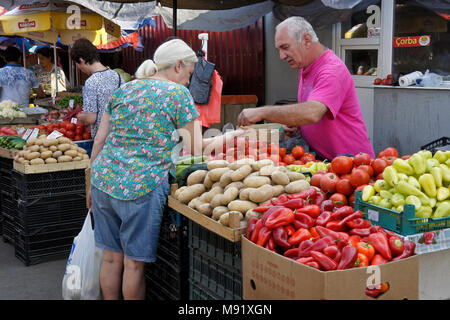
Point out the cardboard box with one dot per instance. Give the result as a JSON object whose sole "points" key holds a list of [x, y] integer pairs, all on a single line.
{"points": [[270, 276]]}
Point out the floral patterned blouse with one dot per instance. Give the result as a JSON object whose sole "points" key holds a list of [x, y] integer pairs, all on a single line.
{"points": [[136, 156]]}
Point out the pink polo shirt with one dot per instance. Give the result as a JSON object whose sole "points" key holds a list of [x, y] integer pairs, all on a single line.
{"points": [[342, 129]]}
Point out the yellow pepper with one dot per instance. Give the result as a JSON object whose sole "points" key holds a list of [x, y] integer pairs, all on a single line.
{"points": [[443, 210], [407, 189], [445, 172], [433, 202], [399, 208], [402, 166], [428, 185], [398, 200], [375, 200], [448, 162], [414, 201], [390, 176], [436, 172], [424, 212], [442, 193], [431, 163], [440, 156], [417, 161], [368, 192], [426, 154], [414, 182], [402, 177], [385, 194], [385, 203], [380, 184]]}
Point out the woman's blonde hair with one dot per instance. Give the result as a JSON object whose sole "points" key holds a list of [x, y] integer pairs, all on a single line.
{"points": [[165, 57]]}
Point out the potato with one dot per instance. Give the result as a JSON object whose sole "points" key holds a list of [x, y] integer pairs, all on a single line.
{"points": [[229, 195], [225, 218], [51, 160], [53, 148], [196, 177], [261, 194], [280, 178], [214, 164], [42, 136], [73, 147], [217, 200], [241, 205], [267, 170], [282, 169], [49, 142], [64, 147], [64, 140], [215, 174], [206, 209], [241, 162], [254, 174], [277, 190], [256, 182], [21, 153], [34, 148], [77, 158], [32, 155], [208, 182], [262, 163], [81, 150], [64, 159], [237, 184], [193, 203], [225, 179], [207, 196], [57, 154], [218, 211], [244, 193], [241, 173], [71, 153], [26, 162], [37, 161], [46, 154], [297, 186], [294, 176], [20, 160], [252, 214], [43, 149], [191, 192], [178, 191], [33, 142], [85, 157]]}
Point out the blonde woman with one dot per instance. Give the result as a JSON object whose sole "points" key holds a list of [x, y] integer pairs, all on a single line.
{"points": [[131, 163]]}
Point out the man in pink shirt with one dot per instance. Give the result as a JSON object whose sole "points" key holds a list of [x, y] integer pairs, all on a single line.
{"points": [[328, 111]]}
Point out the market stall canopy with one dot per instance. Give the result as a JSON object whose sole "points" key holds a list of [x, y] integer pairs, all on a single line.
{"points": [[45, 21]]}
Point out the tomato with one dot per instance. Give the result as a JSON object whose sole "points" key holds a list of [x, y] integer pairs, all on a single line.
{"points": [[379, 176], [288, 159], [65, 124], [282, 152], [79, 131], [299, 162], [328, 182], [351, 200], [298, 152], [87, 136], [378, 166], [70, 134], [377, 81], [42, 127], [71, 126], [406, 157], [342, 164], [346, 176], [315, 179], [388, 152], [389, 160], [344, 186], [389, 76], [273, 148], [308, 157], [367, 168], [361, 158], [359, 177], [62, 130], [339, 200], [77, 138]]}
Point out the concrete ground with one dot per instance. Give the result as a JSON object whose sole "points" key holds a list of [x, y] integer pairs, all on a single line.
{"points": [[36, 282]]}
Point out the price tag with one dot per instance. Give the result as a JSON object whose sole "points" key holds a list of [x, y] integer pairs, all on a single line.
{"points": [[372, 215], [74, 120], [20, 130], [71, 102], [55, 134], [33, 134], [26, 134]]}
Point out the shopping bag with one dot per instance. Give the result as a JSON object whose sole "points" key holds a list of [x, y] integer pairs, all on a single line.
{"points": [[81, 279]]}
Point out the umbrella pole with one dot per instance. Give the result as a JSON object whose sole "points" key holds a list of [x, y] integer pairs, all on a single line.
{"points": [[24, 55], [174, 13], [55, 65]]}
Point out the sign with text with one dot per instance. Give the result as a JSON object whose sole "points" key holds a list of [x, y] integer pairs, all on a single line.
{"points": [[414, 41]]}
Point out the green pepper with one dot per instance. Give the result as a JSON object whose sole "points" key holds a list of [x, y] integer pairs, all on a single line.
{"points": [[445, 172], [433, 202], [390, 176], [447, 162], [440, 156], [399, 208], [436, 172], [402, 177], [375, 200], [417, 161], [385, 203], [443, 210], [402, 166], [414, 182], [398, 199], [431, 163], [426, 154], [428, 185], [442, 193], [368, 192], [408, 189], [423, 212], [380, 184], [385, 194], [413, 200]]}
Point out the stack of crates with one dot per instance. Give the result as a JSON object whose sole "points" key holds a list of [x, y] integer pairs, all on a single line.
{"points": [[6, 200], [167, 278], [48, 212], [215, 266]]}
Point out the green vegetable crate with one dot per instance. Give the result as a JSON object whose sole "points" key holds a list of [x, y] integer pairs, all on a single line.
{"points": [[403, 223]]}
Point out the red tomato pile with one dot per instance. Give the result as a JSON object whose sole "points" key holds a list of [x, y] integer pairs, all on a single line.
{"points": [[311, 230], [348, 174], [297, 156], [75, 132]]}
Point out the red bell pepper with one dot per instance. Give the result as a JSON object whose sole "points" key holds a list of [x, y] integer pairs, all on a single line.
{"points": [[377, 290], [262, 209], [292, 253], [353, 240], [320, 197], [343, 239], [280, 237], [270, 244], [327, 205], [250, 227], [342, 212], [306, 221], [294, 204], [336, 226], [396, 246], [280, 217], [297, 224], [377, 260], [323, 218], [323, 232], [361, 261], [375, 229], [359, 223], [307, 194], [290, 229], [280, 200], [313, 264], [311, 210], [341, 225], [256, 230], [360, 232], [319, 245], [381, 244], [333, 252], [349, 255], [409, 250], [268, 213], [299, 236], [264, 236], [325, 262], [305, 260]]}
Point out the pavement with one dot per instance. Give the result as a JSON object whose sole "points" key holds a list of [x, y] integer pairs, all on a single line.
{"points": [[41, 281]]}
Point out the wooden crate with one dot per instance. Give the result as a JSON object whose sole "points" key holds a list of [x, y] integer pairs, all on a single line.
{"points": [[7, 153], [51, 167], [233, 235]]}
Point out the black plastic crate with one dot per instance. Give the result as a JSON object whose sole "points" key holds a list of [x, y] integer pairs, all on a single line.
{"points": [[165, 283], [198, 292], [31, 186], [9, 230], [223, 281], [439, 144], [6, 165]]}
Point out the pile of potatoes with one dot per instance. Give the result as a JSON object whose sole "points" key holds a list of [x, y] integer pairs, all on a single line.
{"points": [[43, 151], [238, 187]]}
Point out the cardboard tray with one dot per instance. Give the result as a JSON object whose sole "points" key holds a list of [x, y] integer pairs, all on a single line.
{"points": [[52, 167], [233, 235], [7, 153]]}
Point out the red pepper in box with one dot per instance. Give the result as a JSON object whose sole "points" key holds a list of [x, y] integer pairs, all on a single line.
{"points": [[360, 232], [262, 209], [294, 204], [325, 262], [381, 244], [292, 253], [311, 210], [377, 290], [264, 236], [361, 261], [299, 236], [377, 260], [256, 230], [313, 264], [324, 218], [359, 223], [336, 226], [396, 246], [342, 212], [333, 252], [306, 221], [343, 239], [314, 234], [307, 194], [349, 255], [323, 232], [280, 237], [320, 197], [250, 227], [409, 250], [375, 229], [305, 260], [280, 217], [280, 200], [290, 229], [327, 205], [353, 240], [268, 213], [319, 245], [270, 245]]}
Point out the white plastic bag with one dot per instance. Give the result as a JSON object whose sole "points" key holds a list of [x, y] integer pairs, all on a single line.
{"points": [[81, 279]]}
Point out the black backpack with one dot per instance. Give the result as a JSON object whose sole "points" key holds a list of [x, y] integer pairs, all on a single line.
{"points": [[200, 84]]}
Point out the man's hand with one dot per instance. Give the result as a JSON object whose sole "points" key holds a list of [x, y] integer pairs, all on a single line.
{"points": [[290, 131], [249, 116]]}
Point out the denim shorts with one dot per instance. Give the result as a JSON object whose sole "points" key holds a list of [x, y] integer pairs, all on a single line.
{"points": [[129, 226]]}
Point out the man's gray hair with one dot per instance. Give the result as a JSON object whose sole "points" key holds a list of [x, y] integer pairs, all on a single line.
{"points": [[297, 27]]}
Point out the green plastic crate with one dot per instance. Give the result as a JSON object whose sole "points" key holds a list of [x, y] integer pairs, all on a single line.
{"points": [[403, 223]]}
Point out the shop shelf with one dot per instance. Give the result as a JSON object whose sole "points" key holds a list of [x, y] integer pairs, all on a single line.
{"points": [[403, 223], [198, 292], [439, 144]]}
